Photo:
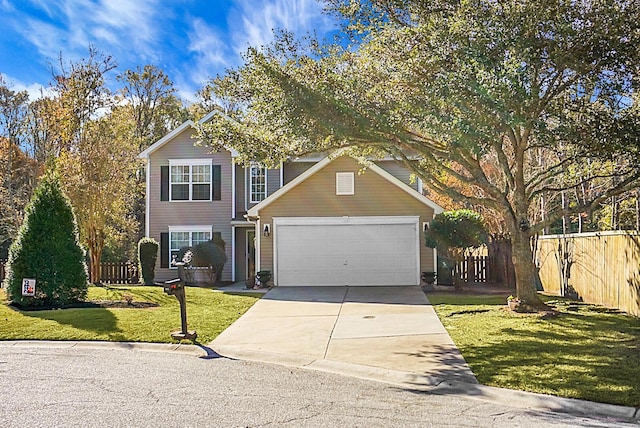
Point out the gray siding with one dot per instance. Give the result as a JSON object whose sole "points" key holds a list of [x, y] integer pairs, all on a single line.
{"points": [[294, 169], [163, 214], [273, 184], [241, 207], [399, 171]]}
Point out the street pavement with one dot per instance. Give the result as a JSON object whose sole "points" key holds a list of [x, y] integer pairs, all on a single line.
{"points": [[53, 384]]}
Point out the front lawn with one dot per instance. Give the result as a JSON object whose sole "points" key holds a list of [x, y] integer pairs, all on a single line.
{"points": [[208, 312], [586, 352]]}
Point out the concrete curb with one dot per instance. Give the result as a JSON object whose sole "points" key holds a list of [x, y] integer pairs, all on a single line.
{"points": [[195, 350], [438, 385], [537, 401]]}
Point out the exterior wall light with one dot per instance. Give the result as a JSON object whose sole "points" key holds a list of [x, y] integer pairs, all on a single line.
{"points": [[266, 230]]}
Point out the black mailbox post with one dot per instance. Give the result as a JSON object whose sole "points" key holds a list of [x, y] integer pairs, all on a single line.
{"points": [[175, 287]]}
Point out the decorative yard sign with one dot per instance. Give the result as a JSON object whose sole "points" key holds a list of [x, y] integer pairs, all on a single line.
{"points": [[28, 287]]}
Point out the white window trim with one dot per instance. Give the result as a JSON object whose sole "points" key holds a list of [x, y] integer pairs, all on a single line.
{"points": [[190, 229], [251, 200], [348, 176], [190, 163]]}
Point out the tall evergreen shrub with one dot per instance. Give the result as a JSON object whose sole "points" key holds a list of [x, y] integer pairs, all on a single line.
{"points": [[147, 256], [47, 249]]}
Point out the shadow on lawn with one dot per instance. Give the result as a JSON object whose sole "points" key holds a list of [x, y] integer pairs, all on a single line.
{"points": [[96, 320], [593, 358]]}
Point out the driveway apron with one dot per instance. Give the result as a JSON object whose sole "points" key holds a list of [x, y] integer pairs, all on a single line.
{"points": [[359, 329]]}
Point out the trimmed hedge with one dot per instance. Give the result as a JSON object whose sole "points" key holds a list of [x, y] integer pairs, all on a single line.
{"points": [[211, 255], [147, 256]]}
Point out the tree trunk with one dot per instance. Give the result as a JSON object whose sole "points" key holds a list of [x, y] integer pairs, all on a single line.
{"points": [[525, 270], [95, 242]]}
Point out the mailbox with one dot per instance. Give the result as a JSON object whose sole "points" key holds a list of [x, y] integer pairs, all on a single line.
{"points": [[175, 287], [170, 287]]}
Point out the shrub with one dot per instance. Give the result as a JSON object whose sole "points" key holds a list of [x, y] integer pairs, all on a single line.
{"points": [[452, 232], [212, 256], [48, 250], [147, 256]]}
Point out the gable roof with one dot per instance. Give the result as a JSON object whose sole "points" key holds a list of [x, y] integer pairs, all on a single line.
{"points": [[253, 211], [179, 130]]}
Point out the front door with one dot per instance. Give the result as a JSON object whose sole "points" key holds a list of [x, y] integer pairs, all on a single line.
{"points": [[251, 253]]}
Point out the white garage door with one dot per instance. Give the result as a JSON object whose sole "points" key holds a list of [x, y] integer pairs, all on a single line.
{"points": [[356, 251]]}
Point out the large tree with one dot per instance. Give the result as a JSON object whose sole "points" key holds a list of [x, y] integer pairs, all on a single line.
{"points": [[468, 94], [96, 154], [153, 109], [152, 103], [17, 172]]}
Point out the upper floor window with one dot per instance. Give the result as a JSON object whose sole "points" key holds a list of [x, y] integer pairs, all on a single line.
{"points": [[258, 183], [190, 180]]}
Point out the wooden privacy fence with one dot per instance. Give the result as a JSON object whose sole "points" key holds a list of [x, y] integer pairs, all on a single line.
{"points": [[601, 268], [475, 269], [119, 273], [112, 273], [489, 264]]}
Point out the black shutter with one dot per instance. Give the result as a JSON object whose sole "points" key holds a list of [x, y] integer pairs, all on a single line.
{"points": [[164, 250], [164, 183], [217, 185]]}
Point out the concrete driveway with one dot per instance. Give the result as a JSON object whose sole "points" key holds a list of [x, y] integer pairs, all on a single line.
{"points": [[384, 333]]}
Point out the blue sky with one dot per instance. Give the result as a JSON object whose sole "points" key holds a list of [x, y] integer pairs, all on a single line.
{"points": [[191, 40]]}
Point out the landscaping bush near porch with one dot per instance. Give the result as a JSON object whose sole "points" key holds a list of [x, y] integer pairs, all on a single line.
{"points": [[208, 312], [586, 352]]}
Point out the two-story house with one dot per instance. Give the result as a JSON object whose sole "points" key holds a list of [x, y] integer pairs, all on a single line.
{"points": [[322, 221]]}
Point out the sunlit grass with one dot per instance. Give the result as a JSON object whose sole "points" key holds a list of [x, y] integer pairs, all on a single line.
{"points": [[586, 352], [208, 312]]}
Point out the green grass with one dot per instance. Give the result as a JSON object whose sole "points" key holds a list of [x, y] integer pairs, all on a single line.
{"points": [[586, 352], [208, 312]]}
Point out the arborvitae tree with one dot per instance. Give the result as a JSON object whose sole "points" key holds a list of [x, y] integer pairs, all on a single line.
{"points": [[147, 256], [47, 249]]}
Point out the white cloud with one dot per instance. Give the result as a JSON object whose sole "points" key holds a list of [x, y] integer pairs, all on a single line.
{"points": [[260, 20], [6, 6], [35, 90], [114, 25], [46, 37], [209, 49]]}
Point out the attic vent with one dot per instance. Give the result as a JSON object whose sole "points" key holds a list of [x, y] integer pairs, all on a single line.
{"points": [[344, 183]]}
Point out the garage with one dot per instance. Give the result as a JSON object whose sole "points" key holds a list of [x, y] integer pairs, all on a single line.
{"points": [[353, 251]]}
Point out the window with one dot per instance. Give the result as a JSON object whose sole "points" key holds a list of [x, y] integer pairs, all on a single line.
{"points": [[185, 237], [344, 183], [190, 180], [258, 183]]}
